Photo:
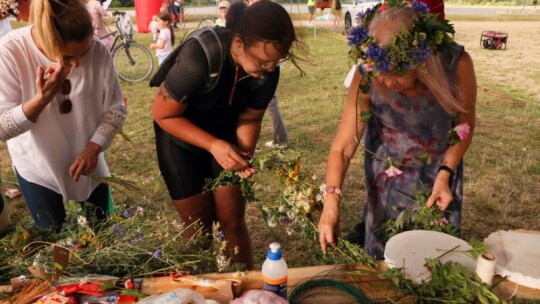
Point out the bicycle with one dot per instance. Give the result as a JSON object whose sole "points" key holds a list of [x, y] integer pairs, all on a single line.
{"points": [[132, 60], [207, 22]]}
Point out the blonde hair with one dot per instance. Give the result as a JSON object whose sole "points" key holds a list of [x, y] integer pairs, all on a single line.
{"points": [[58, 22], [432, 73]]}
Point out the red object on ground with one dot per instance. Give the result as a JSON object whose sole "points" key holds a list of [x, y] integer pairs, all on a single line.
{"points": [[144, 10], [493, 40], [322, 4]]}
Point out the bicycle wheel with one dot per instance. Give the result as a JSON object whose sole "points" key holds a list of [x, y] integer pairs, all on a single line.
{"points": [[206, 22], [133, 61]]}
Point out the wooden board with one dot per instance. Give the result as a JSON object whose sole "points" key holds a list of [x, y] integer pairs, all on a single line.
{"points": [[356, 275], [359, 276]]}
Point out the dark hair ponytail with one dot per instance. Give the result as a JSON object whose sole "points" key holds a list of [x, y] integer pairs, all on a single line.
{"points": [[166, 17]]}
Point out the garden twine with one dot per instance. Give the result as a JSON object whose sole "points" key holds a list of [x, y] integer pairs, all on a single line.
{"points": [[485, 267]]}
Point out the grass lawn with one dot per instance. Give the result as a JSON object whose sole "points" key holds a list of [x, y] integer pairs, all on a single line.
{"points": [[502, 166]]}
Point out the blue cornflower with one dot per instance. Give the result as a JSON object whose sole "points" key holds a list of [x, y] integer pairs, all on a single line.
{"points": [[420, 7], [220, 236], [128, 213], [119, 230], [379, 56], [155, 256], [368, 11], [357, 35]]}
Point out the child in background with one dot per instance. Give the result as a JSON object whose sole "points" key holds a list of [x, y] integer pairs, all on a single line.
{"points": [[223, 9], [154, 28], [165, 40]]}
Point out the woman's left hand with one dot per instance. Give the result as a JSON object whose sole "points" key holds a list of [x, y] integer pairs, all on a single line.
{"points": [[440, 194], [86, 161]]}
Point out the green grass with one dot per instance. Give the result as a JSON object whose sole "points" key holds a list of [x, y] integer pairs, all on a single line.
{"points": [[502, 166]]}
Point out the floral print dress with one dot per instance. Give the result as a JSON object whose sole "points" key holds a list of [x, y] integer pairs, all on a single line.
{"points": [[412, 135]]}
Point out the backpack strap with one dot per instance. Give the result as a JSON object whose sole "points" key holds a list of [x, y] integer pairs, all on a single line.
{"points": [[213, 49]]}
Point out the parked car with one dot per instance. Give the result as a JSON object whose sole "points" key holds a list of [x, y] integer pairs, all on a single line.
{"points": [[353, 7]]}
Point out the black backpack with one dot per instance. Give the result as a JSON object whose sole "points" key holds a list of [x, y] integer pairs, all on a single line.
{"points": [[212, 45]]}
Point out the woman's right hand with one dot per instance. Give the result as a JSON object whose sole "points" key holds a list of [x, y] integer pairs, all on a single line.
{"points": [[228, 156], [50, 80], [329, 224]]}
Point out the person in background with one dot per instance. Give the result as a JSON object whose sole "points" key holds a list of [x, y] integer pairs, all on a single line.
{"points": [[165, 40], [154, 28], [311, 12], [336, 12], [98, 13], [199, 134], [21, 13], [172, 12], [416, 107], [223, 7], [60, 108], [179, 11]]}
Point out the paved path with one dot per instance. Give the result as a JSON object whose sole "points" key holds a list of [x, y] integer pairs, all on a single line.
{"points": [[468, 10]]}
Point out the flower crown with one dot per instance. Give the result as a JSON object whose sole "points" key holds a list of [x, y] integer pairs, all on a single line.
{"points": [[408, 50], [8, 7]]}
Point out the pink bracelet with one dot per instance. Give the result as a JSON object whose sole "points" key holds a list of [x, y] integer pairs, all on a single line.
{"points": [[331, 189]]}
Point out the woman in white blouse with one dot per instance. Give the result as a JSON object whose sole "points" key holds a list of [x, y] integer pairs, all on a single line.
{"points": [[60, 108]]}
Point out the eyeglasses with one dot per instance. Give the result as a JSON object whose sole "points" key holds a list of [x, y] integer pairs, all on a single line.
{"points": [[66, 105], [266, 66]]}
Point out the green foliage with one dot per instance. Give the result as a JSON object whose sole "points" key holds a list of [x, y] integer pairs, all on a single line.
{"points": [[449, 283], [417, 217], [131, 242]]}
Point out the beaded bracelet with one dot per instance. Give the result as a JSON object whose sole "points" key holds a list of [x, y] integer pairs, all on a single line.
{"points": [[331, 189]]}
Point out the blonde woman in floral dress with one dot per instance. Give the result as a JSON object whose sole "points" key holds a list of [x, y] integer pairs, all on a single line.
{"points": [[408, 98]]}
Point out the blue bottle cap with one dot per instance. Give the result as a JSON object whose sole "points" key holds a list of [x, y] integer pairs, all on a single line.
{"points": [[274, 252]]}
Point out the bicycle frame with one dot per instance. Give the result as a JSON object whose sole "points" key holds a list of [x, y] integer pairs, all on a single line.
{"points": [[133, 67], [118, 34]]}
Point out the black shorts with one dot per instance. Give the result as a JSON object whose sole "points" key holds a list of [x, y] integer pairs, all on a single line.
{"points": [[184, 167]]}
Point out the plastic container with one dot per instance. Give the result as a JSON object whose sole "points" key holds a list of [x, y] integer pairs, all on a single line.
{"points": [[144, 10], [274, 271]]}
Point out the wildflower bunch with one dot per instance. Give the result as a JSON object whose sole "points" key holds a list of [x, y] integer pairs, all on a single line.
{"points": [[130, 242], [8, 7], [417, 217], [288, 200], [223, 258], [297, 196]]}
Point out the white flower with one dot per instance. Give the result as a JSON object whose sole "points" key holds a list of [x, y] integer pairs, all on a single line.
{"points": [[81, 220]]}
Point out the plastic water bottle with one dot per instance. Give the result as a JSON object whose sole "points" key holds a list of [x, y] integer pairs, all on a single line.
{"points": [[274, 271]]}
